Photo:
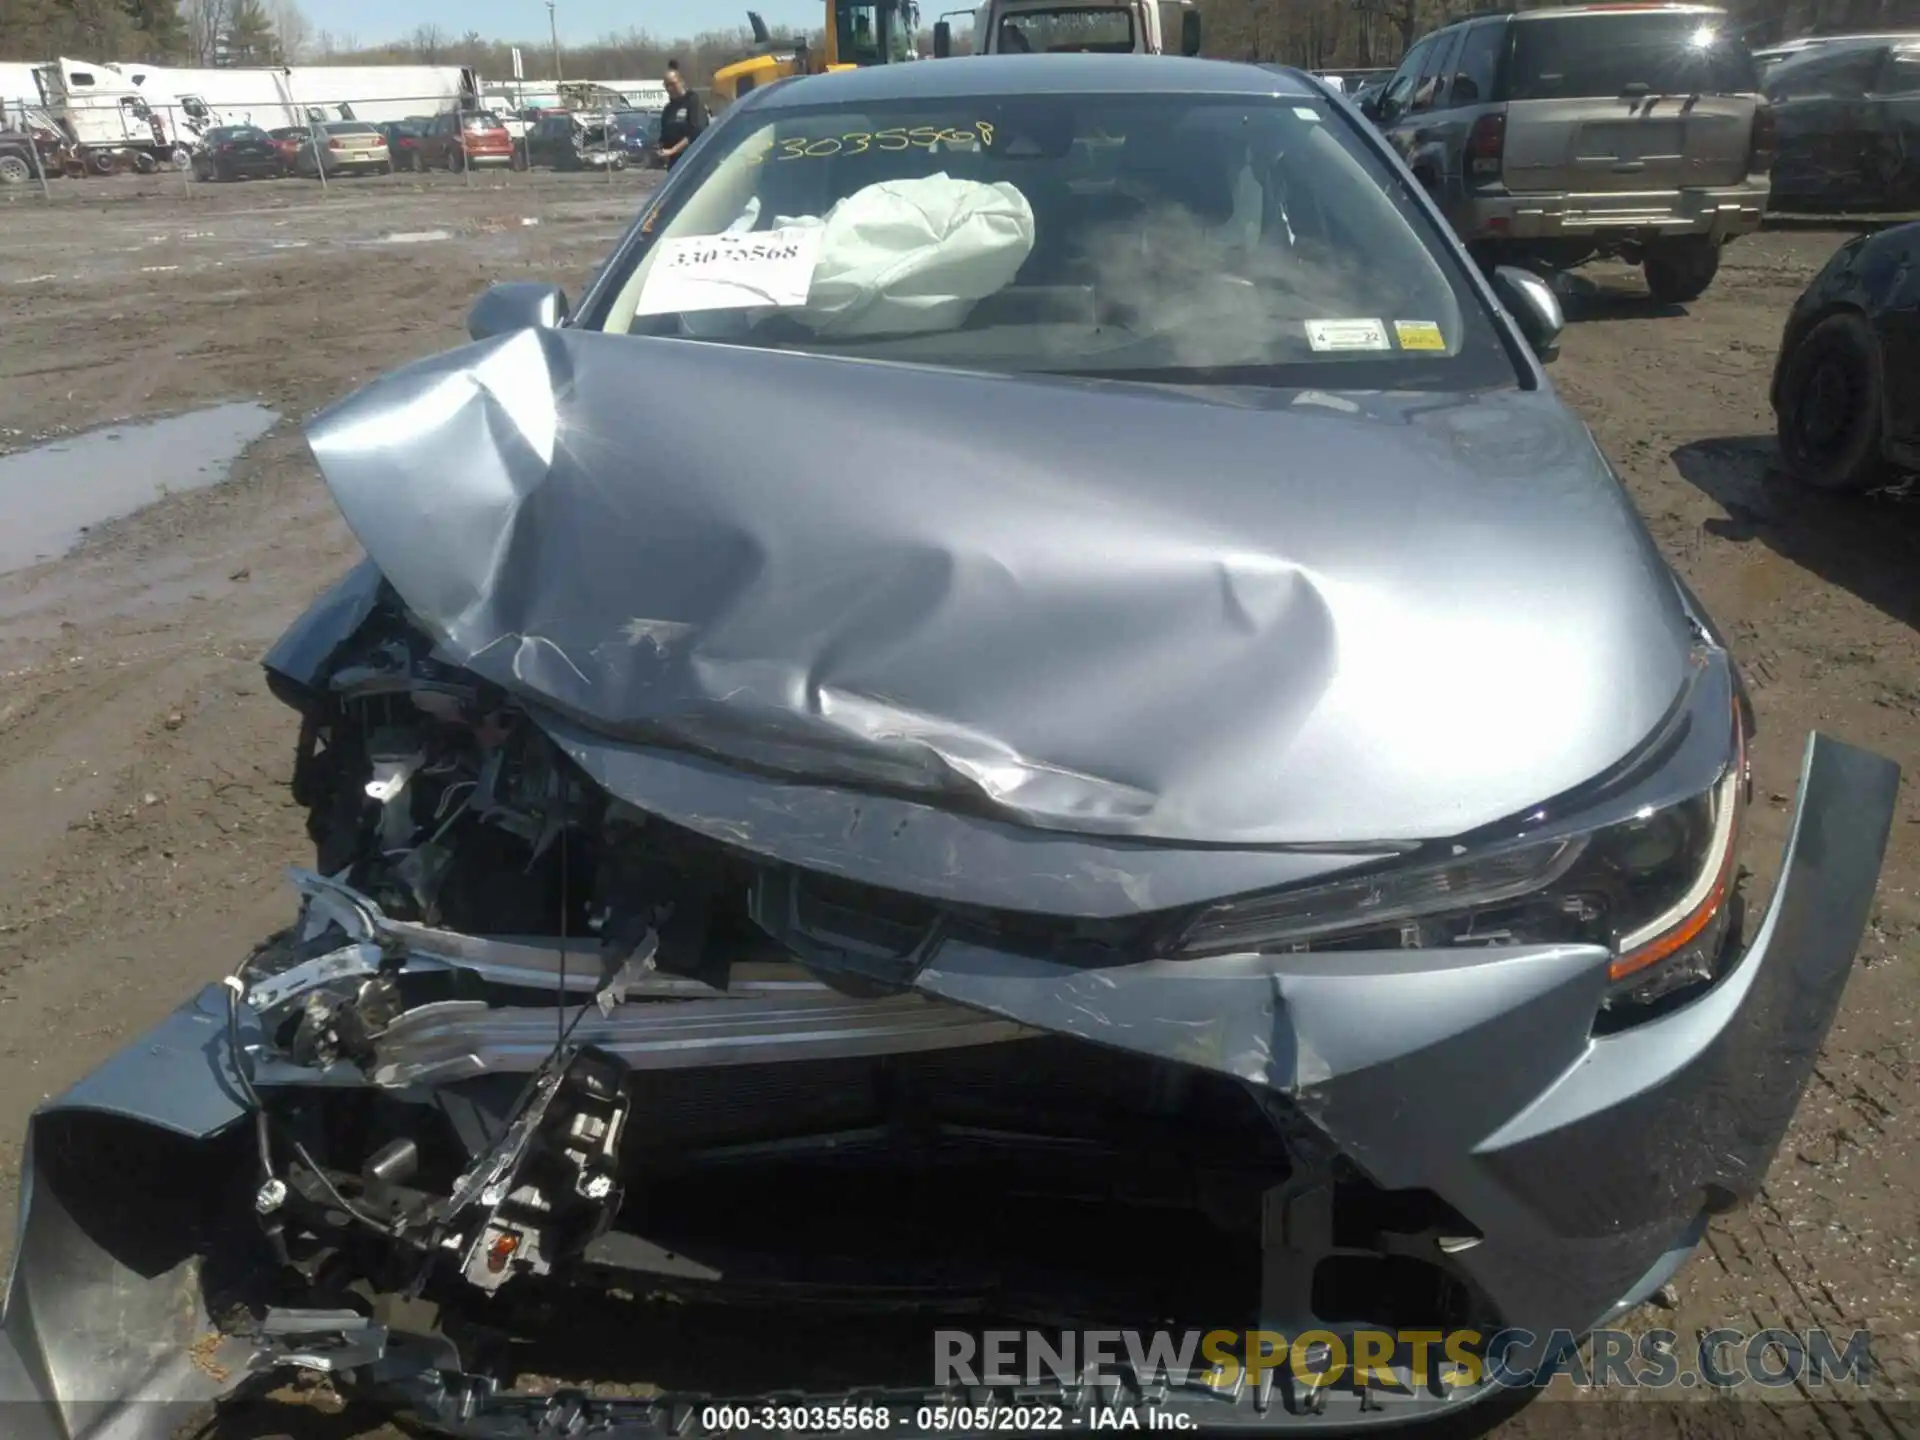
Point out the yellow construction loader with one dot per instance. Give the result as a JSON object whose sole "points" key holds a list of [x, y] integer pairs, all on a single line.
{"points": [[858, 32]]}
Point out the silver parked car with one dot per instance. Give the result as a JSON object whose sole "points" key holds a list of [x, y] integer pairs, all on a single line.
{"points": [[1559, 135], [1214, 813], [343, 147]]}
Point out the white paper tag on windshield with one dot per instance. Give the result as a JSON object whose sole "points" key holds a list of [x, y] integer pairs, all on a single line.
{"points": [[1347, 335], [732, 272]]}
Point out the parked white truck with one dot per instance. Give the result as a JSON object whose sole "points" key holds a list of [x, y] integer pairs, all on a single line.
{"points": [[106, 115], [1043, 27]]}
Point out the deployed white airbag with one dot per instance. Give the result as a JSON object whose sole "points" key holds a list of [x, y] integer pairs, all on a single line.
{"points": [[913, 255]]}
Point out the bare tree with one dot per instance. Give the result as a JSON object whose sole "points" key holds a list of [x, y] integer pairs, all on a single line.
{"points": [[427, 43], [206, 20], [290, 23]]}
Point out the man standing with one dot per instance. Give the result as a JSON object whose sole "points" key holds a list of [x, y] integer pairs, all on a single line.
{"points": [[683, 118]]}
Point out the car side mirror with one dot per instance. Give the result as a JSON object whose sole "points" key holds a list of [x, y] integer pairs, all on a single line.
{"points": [[1371, 108], [1534, 307], [517, 305], [1189, 32], [942, 40]]}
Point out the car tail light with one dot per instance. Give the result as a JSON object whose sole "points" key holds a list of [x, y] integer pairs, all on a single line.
{"points": [[1485, 142], [225, 145], [1765, 138], [333, 144]]}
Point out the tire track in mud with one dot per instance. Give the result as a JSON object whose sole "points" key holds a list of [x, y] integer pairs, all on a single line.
{"points": [[1829, 1240]]}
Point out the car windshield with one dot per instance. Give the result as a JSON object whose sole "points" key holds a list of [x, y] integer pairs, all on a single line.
{"points": [[1066, 28], [1238, 240], [1600, 56]]}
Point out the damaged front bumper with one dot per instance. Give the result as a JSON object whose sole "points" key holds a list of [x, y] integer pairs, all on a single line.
{"points": [[1581, 1168]]}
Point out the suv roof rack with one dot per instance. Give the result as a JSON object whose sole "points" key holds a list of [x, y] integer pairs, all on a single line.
{"points": [[1543, 7]]}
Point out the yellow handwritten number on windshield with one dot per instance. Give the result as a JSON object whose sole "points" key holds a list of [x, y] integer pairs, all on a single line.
{"points": [[858, 142]]}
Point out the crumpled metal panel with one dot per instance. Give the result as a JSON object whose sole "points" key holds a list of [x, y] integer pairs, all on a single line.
{"points": [[1584, 1160], [105, 1332], [1248, 617]]}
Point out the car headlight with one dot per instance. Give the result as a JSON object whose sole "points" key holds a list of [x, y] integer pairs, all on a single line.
{"points": [[1646, 869]]}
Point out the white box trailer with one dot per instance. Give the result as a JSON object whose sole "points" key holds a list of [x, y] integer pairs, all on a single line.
{"points": [[19, 91], [195, 101], [381, 93], [296, 95], [641, 94]]}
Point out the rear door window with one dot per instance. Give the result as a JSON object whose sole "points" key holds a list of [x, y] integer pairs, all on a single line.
{"points": [[1476, 78], [1845, 74], [1608, 55], [1900, 75]]}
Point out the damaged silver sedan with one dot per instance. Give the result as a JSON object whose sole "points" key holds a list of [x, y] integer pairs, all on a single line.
{"points": [[1034, 716]]}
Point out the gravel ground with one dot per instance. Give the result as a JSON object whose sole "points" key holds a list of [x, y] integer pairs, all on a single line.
{"points": [[143, 770]]}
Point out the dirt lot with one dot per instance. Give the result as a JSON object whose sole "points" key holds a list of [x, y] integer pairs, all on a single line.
{"points": [[143, 765]]}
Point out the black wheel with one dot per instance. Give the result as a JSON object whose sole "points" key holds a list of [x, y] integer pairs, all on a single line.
{"points": [[456, 161], [1833, 402], [1681, 269], [387, 169], [14, 170]]}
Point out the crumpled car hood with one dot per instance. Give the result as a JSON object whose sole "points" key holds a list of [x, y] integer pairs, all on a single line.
{"points": [[1234, 617]]}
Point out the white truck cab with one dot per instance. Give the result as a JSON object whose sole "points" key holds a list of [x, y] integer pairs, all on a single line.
{"points": [[103, 112], [1042, 27]]}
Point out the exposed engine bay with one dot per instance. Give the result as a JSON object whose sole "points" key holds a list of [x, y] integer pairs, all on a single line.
{"points": [[530, 1052]]}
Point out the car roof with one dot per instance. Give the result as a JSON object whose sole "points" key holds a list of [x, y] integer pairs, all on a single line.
{"points": [[1559, 12], [1842, 45], [962, 76]]}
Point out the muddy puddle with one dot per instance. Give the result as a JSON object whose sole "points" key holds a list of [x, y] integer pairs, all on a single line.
{"points": [[53, 494]]}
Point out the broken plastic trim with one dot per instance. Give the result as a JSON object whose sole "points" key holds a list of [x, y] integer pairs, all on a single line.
{"points": [[647, 1020], [440, 1043]]}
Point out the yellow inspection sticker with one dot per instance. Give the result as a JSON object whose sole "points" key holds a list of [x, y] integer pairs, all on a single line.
{"points": [[1419, 335]]}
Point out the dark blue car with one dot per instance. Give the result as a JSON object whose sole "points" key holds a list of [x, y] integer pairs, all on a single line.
{"points": [[637, 132]]}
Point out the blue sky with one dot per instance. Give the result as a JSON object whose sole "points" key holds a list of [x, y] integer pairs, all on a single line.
{"points": [[581, 21]]}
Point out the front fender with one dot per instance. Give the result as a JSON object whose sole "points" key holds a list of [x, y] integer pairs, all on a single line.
{"points": [[1588, 1163]]}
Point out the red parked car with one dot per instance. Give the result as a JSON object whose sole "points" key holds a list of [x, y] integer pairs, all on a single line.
{"points": [[471, 137], [287, 141]]}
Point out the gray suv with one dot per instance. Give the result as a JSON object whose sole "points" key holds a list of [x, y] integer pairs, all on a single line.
{"points": [[1559, 136]]}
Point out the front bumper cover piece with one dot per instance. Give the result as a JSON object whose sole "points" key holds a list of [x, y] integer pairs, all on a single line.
{"points": [[1588, 1164]]}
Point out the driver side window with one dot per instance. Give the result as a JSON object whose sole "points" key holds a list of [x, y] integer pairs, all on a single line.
{"points": [[1393, 101]]}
